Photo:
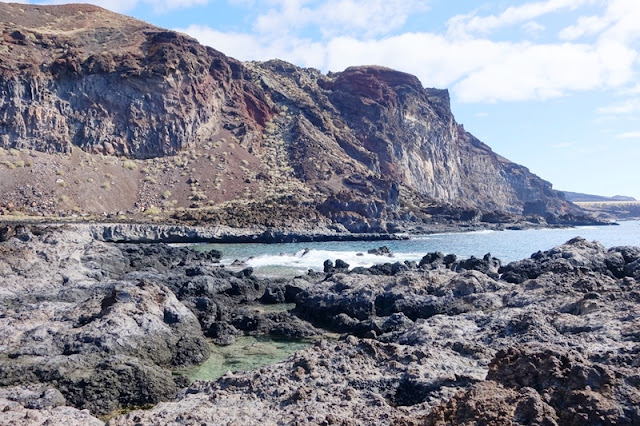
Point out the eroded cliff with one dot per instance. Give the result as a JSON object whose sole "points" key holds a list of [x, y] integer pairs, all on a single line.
{"points": [[139, 118]]}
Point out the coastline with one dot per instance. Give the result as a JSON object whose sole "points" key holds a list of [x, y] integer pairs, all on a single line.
{"points": [[152, 232], [105, 327]]}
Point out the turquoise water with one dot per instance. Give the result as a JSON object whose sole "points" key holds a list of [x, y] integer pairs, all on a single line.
{"points": [[295, 258]]}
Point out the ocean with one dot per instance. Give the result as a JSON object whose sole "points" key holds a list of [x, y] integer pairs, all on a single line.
{"points": [[297, 258]]}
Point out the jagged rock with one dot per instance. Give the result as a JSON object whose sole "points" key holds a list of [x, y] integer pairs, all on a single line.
{"points": [[381, 251], [104, 328], [489, 403], [34, 397], [488, 265], [370, 382], [432, 260], [87, 316], [573, 256], [341, 264], [352, 303], [26, 406], [327, 266], [593, 392]]}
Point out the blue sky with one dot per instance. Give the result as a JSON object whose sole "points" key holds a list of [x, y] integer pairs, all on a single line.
{"points": [[550, 84]]}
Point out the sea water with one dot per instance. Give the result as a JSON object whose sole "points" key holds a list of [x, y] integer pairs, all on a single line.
{"points": [[292, 259]]}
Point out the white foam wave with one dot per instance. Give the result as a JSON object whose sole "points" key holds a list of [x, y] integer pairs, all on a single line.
{"points": [[439, 235], [314, 259], [482, 231]]}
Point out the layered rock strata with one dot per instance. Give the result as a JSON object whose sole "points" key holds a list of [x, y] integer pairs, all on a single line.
{"points": [[362, 147]]}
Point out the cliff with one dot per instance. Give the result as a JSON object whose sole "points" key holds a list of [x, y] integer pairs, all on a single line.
{"points": [[102, 113]]}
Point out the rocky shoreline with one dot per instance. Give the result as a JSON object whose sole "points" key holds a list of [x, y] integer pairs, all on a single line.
{"points": [[89, 328], [152, 233]]}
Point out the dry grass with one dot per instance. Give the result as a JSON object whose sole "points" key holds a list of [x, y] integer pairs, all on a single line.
{"points": [[129, 165]]}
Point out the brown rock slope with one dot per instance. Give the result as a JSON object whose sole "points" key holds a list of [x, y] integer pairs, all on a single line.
{"points": [[84, 89]]}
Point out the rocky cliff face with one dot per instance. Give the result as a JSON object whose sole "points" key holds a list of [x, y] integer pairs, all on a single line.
{"points": [[368, 143], [403, 133], [81, 76]]}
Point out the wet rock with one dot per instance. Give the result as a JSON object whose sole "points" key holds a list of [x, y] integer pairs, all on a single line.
{"points": [[381, 251], [328, 266], [432, 260], [488, 265], [223, 333], [341, 264], [273, 295]]}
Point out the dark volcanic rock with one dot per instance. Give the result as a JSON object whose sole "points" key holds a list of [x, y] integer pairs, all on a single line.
{"points": [[488, 265], [546, 387], [101, 327], [381, 251], [106, 324], [578, 255], [350, 303]]}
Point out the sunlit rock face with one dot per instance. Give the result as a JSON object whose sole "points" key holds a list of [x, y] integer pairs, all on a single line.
{"points": [[370, 141]]}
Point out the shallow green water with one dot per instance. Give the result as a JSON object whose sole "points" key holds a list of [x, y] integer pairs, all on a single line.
{"points": [[246, 353], [275, 308]]}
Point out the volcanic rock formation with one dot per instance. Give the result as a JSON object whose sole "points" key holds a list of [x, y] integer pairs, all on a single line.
{"points": [[85, 324], [183, 125]]}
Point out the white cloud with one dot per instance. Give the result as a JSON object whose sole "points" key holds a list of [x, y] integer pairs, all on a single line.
{"points": [[529, 71], [586, 25], [437, 61], [629, 135], [478, 70], [338, 17], [533, 28], [463, 25], [618, 23], [249, 47]]}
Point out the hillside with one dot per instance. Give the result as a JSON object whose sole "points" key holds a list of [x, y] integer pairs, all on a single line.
{"points": [[589, 198], [104, 114]]}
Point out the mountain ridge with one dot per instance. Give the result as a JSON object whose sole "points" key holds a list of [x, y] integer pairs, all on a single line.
{"points": [[581, 197], [164, 124]]}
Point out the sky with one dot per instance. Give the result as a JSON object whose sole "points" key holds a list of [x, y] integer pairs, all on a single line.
{"points": [[550, 84]]}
